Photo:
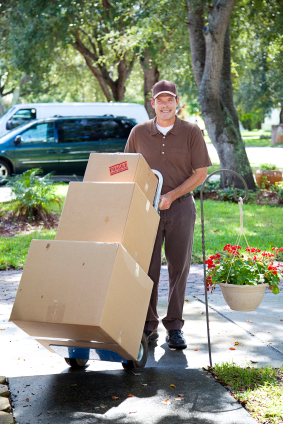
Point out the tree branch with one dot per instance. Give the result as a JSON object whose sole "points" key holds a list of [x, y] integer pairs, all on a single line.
{"points": [[130, 67], [106, 5], [8, 92], [78, 44], [90, 41]]}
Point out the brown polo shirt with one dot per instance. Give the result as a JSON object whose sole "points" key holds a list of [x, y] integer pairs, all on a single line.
{"points": [[175, 154]]}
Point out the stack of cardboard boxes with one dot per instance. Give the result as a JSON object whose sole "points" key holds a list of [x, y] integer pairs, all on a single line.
{"points": [[89, 287]]}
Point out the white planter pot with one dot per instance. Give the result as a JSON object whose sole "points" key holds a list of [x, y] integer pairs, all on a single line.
{"points": [[243, 298]]}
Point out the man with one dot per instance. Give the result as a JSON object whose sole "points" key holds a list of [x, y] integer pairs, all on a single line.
{"points": [[177, 149]]}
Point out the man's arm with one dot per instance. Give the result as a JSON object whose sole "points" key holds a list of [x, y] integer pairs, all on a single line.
{"points": [[190, 184], [130, 146]]}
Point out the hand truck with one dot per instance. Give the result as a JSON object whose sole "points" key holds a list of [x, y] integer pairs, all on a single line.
{"points": [[77, 357]]}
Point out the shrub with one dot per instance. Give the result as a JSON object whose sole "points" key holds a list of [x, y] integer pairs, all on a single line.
{"points": [[32, 195], [268, 167]]}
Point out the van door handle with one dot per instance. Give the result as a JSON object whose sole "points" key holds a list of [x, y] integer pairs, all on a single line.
{"points": [[51, 151], [63, 151]]}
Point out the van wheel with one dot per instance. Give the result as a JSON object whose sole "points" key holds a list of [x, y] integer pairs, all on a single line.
{"points": [[142, 356], [5, 170], [76, 363]]}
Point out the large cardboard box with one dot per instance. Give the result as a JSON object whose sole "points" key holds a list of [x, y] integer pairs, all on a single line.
{"points": [[110, 212], [122, 167], [85, 292]]}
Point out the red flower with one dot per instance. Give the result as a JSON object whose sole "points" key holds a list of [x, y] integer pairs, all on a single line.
{"points": [[227, 247]]}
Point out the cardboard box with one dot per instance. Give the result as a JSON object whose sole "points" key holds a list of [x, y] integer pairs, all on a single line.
{"points": [[122, 167], [85, 292], [111, 213]]}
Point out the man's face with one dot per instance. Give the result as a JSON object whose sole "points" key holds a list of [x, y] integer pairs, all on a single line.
{"points": [[165, 106]]}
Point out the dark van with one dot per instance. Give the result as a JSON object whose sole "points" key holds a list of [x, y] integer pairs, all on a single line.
{"points": [[61, 145]]}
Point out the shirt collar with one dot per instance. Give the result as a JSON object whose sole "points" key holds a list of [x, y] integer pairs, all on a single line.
{"points": [[175, 130]]}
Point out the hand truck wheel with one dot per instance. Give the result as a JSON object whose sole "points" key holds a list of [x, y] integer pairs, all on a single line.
{"points": [[76, 363], [142, 356]]}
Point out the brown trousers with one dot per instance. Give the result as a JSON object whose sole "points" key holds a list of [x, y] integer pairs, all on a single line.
{"points": [[177, 228]]}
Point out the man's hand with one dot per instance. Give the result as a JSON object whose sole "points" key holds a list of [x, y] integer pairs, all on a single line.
{"points": [[166, 201]]}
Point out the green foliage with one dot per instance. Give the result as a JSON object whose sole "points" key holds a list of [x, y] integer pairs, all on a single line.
{"points": [[257, 56], [278, 187], [226, 194], [268, 167], [32, 195], [210, 187], [110, 37]]}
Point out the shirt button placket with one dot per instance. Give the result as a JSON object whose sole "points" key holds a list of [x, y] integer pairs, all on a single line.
{"points": [[163, 145]]}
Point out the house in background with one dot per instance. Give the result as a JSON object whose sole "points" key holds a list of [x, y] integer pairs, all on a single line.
{"points": [[271, 119]]}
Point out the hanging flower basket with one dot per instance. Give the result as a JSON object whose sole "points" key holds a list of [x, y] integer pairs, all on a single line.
{"points": [[243, 298], [243, 275]]}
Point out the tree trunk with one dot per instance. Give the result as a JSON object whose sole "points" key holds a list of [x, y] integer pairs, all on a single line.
{"points": [[3, 107], [112, 89], [281, 116], [150, 76], [212, 70]]}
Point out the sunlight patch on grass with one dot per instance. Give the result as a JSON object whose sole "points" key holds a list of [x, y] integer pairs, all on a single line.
{"points": [[260, 390]]}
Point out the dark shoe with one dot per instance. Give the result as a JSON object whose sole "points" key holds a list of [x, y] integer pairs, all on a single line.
{"points": [[175, 339], [151, 335]]}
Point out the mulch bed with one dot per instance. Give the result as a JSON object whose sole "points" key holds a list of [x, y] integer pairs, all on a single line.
{"points": [[10, 227]]}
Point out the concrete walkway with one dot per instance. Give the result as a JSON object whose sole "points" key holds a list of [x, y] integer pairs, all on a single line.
{"points": [[45, 390]]}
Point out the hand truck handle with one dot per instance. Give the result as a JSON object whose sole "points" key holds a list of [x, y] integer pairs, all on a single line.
{"points": [[158, 190]]}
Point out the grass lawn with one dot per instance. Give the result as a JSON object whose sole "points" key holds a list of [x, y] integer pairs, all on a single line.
{"points": [[259, 390], [13, 250], [263, 227]]}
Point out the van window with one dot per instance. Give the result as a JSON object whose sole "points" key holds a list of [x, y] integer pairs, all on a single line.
{"points": [[127, 126], [40, 133], [78, 130], [115, 128], [22, 116]]}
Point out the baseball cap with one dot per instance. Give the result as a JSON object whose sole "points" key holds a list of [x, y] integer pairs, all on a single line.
{"points": [[164, 86]]}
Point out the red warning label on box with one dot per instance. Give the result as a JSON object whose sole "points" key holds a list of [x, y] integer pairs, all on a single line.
{"points": [[119, 167]]}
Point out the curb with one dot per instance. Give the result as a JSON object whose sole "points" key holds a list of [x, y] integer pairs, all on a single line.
{"points": [[6, 416]]}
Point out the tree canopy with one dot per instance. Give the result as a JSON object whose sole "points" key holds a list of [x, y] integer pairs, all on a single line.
{"points": [[225, 57]]}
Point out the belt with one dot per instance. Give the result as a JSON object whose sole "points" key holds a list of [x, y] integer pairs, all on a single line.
{"points": [[180, 199]]}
